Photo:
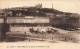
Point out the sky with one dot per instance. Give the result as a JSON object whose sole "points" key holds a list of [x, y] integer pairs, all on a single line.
{"points": [[61, 5]]}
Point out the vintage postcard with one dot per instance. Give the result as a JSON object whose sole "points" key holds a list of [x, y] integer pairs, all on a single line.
{"points": [[39, 24]]}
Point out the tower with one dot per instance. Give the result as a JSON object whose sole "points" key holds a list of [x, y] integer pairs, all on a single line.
{"points": [[52, 5], [41, 5]]}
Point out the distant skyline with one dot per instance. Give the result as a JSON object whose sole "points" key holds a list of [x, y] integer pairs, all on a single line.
{"points": [[72, 6]]}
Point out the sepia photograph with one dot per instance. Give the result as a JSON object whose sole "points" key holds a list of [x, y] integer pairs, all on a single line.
{"points": [[39, 24]]}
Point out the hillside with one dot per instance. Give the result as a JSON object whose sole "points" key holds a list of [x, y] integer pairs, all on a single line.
{"points": [[34, 11]]}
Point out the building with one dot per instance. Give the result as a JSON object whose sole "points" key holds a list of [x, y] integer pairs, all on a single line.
{"points": [[25, 23]]}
